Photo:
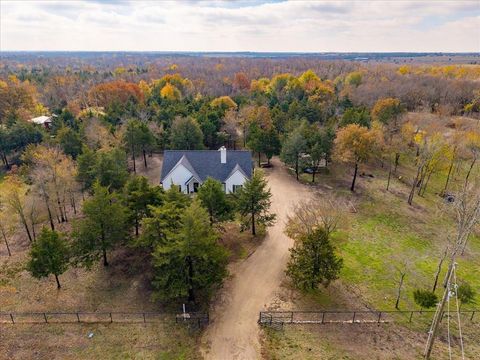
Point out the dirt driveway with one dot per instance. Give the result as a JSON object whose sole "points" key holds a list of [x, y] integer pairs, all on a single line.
{"points": [[233, 332]]}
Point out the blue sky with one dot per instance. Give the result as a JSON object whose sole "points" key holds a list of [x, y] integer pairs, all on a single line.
{"points": [[189, 25]]}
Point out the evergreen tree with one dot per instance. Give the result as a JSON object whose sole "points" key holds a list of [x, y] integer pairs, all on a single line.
{"points": [[253, 202], [186, 134], [111, 169], [214, 199], [294, 146], [104, 225], [163, 220], [86, 163], [49, 255], [70, 141], [139, 196], [192, 261], [313, 261]]}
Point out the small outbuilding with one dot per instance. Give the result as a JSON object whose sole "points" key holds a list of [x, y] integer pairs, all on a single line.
{"points": [[45, 121]]}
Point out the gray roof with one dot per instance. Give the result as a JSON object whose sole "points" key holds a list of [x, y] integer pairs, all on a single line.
{"points": [[206, 163]]}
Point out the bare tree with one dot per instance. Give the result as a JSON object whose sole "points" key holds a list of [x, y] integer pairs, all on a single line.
{"points": [[466, 209], [306, 216]]}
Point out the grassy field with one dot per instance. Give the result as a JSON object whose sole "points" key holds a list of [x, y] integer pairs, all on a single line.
{"points": [[384, 232], [109, 341]]}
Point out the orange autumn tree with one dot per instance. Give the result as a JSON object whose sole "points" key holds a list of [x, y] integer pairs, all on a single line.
{"points": [[357, 144], [114, 92]]}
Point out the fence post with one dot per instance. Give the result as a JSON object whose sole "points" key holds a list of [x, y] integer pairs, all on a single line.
{"points": [[291, 318], [379, 316], [353, 320], [323, 317], [411, 314], [144, 320], [111, 319], [45, 316], [471, 318], [78, 317], [13, 322]]}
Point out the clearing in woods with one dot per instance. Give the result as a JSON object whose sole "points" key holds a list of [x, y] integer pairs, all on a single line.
{"points": [[233, 332]]}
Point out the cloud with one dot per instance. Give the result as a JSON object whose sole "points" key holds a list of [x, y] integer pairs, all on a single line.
{"points": [[241, 26]]}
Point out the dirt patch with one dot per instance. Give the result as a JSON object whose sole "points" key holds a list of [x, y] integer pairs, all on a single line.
{"points": [[153, 169]]}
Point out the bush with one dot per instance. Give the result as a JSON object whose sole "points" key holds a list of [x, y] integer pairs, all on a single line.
{"points": [[466, 294], [425, 298]]}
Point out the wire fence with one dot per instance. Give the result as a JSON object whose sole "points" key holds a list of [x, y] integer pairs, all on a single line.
{"points": [[277, 319], [199, 319]]}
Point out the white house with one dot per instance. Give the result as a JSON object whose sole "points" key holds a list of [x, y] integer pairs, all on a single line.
{"points": [[188, 169]]}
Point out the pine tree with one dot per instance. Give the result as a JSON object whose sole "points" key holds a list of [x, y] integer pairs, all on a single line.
{"points": [[214, 199], [139, 196], [104, 225], [191, 261], [49, 255], [253, 202], [164, 220], [313, 261]]}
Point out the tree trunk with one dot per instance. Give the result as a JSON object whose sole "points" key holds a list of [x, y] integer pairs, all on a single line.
{"points": [[5, 239], [439, 269], [136, 225], [352, 188], [397, 162], [24, 222], [133, 159], [52, 226], [389, 175], [448, 176], [259, 159], [399, 291], [313, 176], [469, 171], [414, 185], [426, 183], [253, 221], [105, 262], [74, 205], [58, 282], [296, 167], [191, 292], [65, 211], [5, 160], [145, 158]]}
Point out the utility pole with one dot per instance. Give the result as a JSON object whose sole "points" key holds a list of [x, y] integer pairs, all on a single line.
{"points": [[437, 318], [467, 211]]}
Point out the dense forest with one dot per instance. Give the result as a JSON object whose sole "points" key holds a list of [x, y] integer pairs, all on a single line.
{"points": [[107, 120]]}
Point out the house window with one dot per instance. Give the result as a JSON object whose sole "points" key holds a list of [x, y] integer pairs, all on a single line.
{"points": [[236, 188], [195, 187]]}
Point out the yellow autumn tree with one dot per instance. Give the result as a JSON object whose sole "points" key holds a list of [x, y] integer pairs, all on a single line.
{"points": [[170, 92], [386, 110], [357, 144], [224, 103], [13, 196]]}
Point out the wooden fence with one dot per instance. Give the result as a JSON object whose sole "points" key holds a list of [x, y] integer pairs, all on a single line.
{"points": [[199, 319], [277, 319]]}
